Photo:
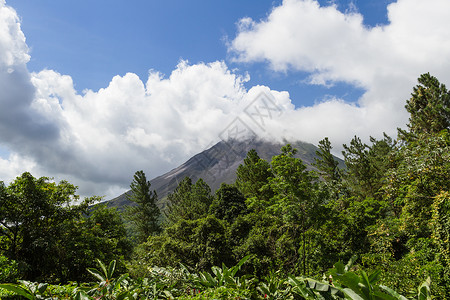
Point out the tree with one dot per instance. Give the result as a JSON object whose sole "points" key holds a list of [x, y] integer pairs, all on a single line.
{"points": [[98, 234], [429, 107], [326, 163], [367, 165], [199, 244], [252, 179], [145, 214], [295, 193], [329, 171], [440, 225], [32, 216], [228, 203], [189, 201], [413, 241]]}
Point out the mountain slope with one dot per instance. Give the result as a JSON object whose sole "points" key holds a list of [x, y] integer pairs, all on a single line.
{"points": [[218, 164]]}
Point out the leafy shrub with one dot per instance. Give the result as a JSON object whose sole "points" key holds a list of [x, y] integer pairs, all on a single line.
{"points": [[9, 270]]}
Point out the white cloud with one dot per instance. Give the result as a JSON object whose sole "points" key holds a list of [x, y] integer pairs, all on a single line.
{"points": [[15, 165], [98, 139], [336, 46], [107, 135], [12, 40], [301, 35]]}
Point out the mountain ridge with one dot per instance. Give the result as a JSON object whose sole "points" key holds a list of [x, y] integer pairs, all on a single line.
{"points": [[217, 165]]}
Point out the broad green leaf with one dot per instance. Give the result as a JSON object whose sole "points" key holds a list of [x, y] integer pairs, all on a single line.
{"points": [[317, 285], [339, 268], [294, 281], [29, 285], [424, 290], [96, 273], [217, 271], [374, 277], [351, 294], [102, 266], [350, 263], [81, 295], [213, 282], [262, 288], [350, 280], [18, 290], [239, 264], [120, 280], [42, 287], [322, 287], [124, 295], [392, 292], [367, 288], [111, 269]]}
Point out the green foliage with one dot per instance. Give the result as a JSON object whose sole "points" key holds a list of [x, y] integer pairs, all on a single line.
{"points": [[199, 244], [252, 180], [440, 225], [366, 166], [221, 283], [221, 292], [189, 201], [429, 107], [222, 277], [51, 238], [228, 204], [34, 213], [98, 235], [415, 185], [28, 290], [9, 270], [295, 189], [326, 163], [422, 173], [390, 206], [145, 214], [274, 287]]}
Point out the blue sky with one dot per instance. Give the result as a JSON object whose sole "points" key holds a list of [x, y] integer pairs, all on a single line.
{"points": [[91, 91], [95, 40]]}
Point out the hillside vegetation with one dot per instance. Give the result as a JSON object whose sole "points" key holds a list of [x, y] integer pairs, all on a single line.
{"points": [[377, 229]]}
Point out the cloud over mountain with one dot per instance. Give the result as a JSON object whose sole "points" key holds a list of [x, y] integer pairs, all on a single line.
{"points": [[98, 139], [332, 46]]}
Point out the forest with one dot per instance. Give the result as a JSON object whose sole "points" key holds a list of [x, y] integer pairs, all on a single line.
{"points": [[379, 228]]}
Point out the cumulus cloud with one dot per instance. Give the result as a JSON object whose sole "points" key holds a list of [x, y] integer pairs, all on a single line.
{"points": [[332, 46], [98, 139], [19, 120], [107, 135], [20, 124]]}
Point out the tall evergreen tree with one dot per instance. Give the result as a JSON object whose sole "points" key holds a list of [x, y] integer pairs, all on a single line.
{"points": [[189, 201], [326, 163], [145, 214], [295, 199], [252, 180], [429, 107], [367, 165], [228, 204]]}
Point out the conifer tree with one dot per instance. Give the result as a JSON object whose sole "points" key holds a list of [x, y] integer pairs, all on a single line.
{"points": [[145, 213], [326, 163], [429, 107], [189, 201]]}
